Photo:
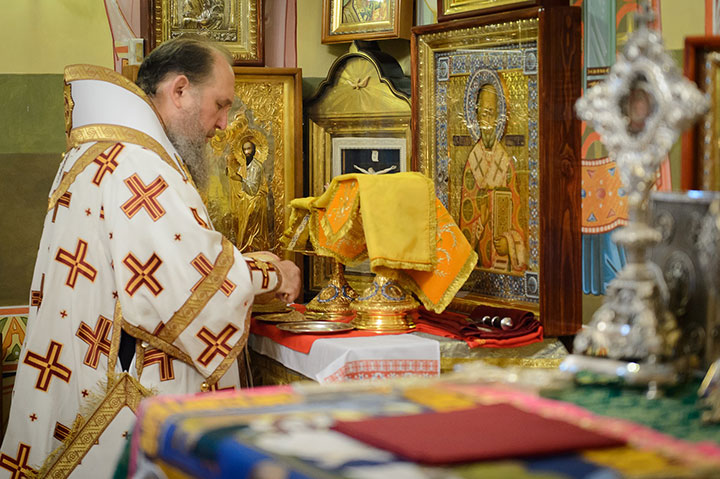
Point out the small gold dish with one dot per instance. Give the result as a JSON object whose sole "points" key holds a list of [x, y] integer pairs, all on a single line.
{"points": [[291, 316], [274, 306], [315, 327]]}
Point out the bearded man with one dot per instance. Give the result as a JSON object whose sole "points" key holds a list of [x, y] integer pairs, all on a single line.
{"points": [[490, 202], [134, 293]]}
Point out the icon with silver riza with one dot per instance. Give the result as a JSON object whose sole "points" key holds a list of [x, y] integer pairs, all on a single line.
{"points": [[638, 111]]}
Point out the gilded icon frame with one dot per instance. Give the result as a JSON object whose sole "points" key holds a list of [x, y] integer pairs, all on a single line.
{"points": [[454, 9], [267, 108], [342, 22], [700, 152], [237, 25], [511, 54], [365, 98]]}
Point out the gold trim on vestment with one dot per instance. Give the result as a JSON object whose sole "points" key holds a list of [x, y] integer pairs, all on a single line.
{"points": [[69, 105], [94, 72], [199, 298], [234, 352], [189, 310], [83, 162], [117, 133], [125, 391], [153, 341], [264, 258], [187, 172], [115, 341], [139, 359]]}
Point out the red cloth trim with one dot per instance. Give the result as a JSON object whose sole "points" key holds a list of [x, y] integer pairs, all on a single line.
{"points": [[526, 329], [490, 432]]}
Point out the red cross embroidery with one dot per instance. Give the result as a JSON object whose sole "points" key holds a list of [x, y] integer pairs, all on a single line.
{"points": [[156, 356], [18, 465], [144, 196], [77, 263], [33, 417], [107, 162], [199, 220], [48, 366], [215, 344], [264, 269], [63, 314], [85, 393], [97, 340], [143, 274], [204, 267], [61, 431], [64, 201], [36, 296]]}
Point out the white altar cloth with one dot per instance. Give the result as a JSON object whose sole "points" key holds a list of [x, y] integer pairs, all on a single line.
{"points": [[342, 359]]}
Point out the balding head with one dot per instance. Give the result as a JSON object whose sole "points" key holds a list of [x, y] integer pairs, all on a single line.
{"points": [[189, 56]]}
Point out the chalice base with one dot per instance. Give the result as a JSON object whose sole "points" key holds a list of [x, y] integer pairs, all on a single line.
{"points": [[382, 321], [383, 306], [333, 301]]}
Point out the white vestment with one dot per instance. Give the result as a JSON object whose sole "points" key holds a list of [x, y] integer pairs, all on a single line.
{"points": [[127, 243]]}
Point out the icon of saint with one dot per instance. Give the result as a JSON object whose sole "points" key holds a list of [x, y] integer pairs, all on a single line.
{"points": [[638, 109], [251, 200], [490, 202]]}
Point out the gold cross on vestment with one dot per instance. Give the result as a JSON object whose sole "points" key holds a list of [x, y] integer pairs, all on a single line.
{"points": [[263, 267]]}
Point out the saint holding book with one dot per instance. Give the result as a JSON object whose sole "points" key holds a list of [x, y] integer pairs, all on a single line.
{"points": [[489, 200]]}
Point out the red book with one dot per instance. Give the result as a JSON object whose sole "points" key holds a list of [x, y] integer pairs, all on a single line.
{"points": [[492, 432]]}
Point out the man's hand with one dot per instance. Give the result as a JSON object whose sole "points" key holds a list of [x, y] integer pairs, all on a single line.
{"points": [[501, 245], [289, 275], [290, 287]]}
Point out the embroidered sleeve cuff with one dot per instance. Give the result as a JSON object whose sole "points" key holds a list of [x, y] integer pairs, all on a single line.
{"points": [[264, 273]]}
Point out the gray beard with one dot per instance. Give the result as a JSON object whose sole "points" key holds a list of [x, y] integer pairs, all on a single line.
{"points": [[189, 140], [192, 152]]}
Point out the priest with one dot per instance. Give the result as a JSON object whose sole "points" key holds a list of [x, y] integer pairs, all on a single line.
{"points": [[133, 291]]}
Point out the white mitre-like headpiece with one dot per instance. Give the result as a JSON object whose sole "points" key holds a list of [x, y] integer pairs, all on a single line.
{"points": [[101, 104]]}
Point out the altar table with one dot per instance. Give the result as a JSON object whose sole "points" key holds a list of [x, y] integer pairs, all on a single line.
{"points": [[383, 356]]}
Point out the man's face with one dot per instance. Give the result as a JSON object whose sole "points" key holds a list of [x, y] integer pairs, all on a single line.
{"points": [[206, 111], [248, 149], [487, 112], [215, 97]]}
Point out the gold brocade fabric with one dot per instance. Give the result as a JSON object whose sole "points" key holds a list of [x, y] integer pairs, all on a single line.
{"points": [[397, 223]]}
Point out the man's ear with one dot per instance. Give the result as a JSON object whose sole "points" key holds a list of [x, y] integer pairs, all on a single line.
{"points": [[178, 87]]}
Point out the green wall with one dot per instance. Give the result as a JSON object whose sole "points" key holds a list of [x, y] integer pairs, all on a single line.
{"points": [[31, 145]]}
